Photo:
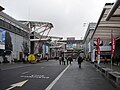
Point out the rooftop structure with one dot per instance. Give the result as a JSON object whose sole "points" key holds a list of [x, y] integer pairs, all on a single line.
{"points": [[109, 22]]}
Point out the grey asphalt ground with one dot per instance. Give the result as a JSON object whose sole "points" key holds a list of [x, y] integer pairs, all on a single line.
{"points": [[86, 78], [39, 75]]}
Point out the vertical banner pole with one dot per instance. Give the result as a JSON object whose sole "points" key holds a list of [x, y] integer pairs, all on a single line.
{"points": [[111, 48], [98, 49], [113, 41]]}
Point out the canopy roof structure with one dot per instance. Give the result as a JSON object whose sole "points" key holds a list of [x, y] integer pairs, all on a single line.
{"points": [[39, 29], [1, 8], [109, 22], [37, 26]]}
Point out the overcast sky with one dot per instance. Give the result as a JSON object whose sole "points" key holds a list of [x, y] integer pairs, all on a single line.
{"points": [[67, 16]]}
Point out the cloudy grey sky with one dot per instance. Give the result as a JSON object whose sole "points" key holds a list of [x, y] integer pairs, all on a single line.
{"points": [[67, 16]]}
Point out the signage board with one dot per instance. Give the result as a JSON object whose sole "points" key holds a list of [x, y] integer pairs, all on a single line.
{"points": [[2, 38]]}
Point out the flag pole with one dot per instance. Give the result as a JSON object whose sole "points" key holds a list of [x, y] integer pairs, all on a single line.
{"points": [[111, 48], [98, 49]]}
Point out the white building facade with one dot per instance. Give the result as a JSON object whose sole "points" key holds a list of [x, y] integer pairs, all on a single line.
{"points": [[14, 37]]}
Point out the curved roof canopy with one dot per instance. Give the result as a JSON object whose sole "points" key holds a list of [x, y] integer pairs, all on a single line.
{"points": [[109, 22]]}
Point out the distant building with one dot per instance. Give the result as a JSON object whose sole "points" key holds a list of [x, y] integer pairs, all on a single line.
{"points": [[73, 47], [88, 42], [39, 43]]}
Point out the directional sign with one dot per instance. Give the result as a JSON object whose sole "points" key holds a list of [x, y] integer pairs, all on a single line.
{"points": [[19, 84]]}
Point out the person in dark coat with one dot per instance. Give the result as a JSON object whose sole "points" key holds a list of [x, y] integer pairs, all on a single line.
{"points": [[80, 60], [69, 59], [60, 60], [63, 61]]}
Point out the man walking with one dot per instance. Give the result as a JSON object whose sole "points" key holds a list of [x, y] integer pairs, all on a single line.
{"points": [[80, 60], [69, 59]]}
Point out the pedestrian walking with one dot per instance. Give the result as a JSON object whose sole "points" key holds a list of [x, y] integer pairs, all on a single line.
{"points": [[70, 59], [118, 61], [63, 61], [105, 60], [67, 60], [60, 60], [80, 60]]}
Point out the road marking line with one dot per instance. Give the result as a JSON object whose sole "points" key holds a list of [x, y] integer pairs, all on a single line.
{"points": [[19, 84], [42, 67], [25, 72], [53, 83], [35, 76]]}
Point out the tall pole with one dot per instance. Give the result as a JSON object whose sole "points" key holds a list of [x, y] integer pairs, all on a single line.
{"points": [[98, 49], [111, 48], [113, 41]]}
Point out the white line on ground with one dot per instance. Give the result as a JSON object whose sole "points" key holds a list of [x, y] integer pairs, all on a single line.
{"points": [[19, 84], [53, 83], [42, 67], [25, 72]]}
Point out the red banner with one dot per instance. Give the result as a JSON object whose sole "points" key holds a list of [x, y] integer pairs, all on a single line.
{"points": [[113, 45], [98, 45]]}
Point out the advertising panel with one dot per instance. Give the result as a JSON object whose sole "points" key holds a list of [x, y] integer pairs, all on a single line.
{"points": [[98, 45], [113, 45], [98, 49], [2, 38]]}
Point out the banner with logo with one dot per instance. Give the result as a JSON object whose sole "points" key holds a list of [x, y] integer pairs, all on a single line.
{"points": [[98, 49], [113, 41], [2, 38], [98, 46]]}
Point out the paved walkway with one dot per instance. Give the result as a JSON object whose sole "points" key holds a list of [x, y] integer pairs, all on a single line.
{"points": [[86, 78]]}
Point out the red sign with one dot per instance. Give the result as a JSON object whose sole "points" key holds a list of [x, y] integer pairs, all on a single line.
{"points": [[113, 45], [98, 45]]}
